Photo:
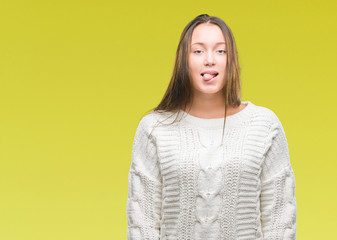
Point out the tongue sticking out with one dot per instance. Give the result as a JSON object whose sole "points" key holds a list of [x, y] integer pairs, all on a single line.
{"points": [[207, 76]]}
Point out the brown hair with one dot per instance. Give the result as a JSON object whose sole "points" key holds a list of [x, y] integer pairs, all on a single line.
{"points": [[179, 93]]}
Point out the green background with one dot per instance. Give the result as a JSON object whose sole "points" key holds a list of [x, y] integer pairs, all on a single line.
{"points": [[77, 76]]}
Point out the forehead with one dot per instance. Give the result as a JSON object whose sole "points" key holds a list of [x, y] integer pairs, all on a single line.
{"points": [[207, 34]]}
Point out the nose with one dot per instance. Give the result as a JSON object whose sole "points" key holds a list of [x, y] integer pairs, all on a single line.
{"points": [[209, 59]]}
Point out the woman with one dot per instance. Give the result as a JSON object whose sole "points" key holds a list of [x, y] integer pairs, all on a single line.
{"points": [[204, 164]]}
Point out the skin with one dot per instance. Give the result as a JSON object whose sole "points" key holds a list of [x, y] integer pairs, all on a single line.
{"points": [[208, 100]]}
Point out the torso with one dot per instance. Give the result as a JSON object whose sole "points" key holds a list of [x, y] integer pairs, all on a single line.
{"points": [[208, 184]]}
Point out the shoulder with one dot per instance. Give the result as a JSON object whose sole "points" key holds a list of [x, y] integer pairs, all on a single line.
{"points": [[148, 120], [268, 115], [275, 130], [152, 119], [266, 120]]}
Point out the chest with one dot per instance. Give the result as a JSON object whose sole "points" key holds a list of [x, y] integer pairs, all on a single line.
{"points": [[204, 155]]}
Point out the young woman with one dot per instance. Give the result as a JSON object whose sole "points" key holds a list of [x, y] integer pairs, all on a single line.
{"points": [[204, 164]]}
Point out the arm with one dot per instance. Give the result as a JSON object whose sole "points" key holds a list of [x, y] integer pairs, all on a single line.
{"points": [[144, 188], [277, 199]]}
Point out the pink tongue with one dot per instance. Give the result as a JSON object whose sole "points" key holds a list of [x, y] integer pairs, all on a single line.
{"points": [[207, 76]]}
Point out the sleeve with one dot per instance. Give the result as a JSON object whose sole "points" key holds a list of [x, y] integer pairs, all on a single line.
{"points": [[144, 188], [277, 198]]}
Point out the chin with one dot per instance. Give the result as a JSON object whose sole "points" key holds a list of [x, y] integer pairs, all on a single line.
{"points": [[209, 91]]}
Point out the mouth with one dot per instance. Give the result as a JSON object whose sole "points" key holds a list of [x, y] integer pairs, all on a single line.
{"points": [[214, 74], [209, 76]]}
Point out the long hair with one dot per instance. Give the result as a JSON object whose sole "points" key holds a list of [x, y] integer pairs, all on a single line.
{"points": [[179, 93]]}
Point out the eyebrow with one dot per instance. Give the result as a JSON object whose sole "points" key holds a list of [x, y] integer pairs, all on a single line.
{"points": [[201, 43]]}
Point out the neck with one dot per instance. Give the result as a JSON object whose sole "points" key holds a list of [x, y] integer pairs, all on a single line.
{"points": [[207, 105]]}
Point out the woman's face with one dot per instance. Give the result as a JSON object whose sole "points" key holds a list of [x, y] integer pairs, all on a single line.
{"points": [[207, 59]]}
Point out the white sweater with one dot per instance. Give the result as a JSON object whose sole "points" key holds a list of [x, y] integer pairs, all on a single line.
{"points": [[184, 184]]}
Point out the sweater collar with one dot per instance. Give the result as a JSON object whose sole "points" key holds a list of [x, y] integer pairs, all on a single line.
{"points": [[214, 123]]}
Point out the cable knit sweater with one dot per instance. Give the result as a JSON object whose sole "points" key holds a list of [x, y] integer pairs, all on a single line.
{"points": [[184, 184]]}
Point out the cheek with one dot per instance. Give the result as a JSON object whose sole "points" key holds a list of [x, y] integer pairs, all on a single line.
{"points": [[194, 69], [192, 63], [222, 61], [193, 74]]}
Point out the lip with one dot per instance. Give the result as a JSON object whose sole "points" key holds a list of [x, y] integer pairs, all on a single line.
{"points": [[210, 72]]}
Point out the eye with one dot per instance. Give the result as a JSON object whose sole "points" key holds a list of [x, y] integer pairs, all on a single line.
{"points": [[223, 51], [197, 51]]}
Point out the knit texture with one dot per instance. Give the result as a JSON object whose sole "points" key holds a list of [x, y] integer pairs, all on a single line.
{"points": [[185, 184]]}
